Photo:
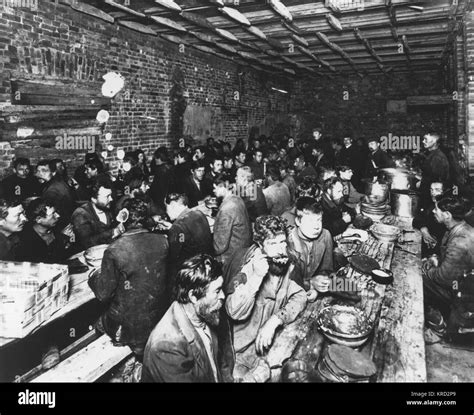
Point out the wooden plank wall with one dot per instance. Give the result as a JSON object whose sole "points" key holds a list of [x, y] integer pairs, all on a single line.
{"points": [[40, 112]]}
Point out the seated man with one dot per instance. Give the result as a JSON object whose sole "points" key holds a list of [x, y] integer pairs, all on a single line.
{"points": [[277, 195], [12, 221], [378, 159], [311, 248], [256, 164], [93, 170], [304, 168], [431, 230], [442, 277], [336, 215], [40, 239], [261, 297], [189, 234], [20, 185], [93, 222], [196, 187], [56, 191], [186, 346], [351, 196], [132, 282], [308, 187], [287, 178], [216, 170]]}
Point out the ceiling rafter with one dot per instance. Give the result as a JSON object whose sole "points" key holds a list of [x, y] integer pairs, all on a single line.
{"points": [[315, 36]]}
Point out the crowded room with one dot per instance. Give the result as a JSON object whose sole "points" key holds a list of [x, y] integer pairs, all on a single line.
{"points": [[236, 191]]}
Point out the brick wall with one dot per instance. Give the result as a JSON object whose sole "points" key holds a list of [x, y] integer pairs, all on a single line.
{"points": [[468, 31], [360, 106], [56, 42]]}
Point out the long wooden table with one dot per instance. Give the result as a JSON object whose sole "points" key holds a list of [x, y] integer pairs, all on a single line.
{"points": [[396, 311]]}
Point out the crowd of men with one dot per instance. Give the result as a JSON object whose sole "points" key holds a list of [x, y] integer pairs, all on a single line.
{"points": [[199, 302]]}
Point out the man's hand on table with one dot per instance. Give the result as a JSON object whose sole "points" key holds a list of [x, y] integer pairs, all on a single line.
{"points": [[266, 333]]}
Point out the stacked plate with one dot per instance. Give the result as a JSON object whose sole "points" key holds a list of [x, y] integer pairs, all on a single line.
{"points": [[344, 324], [374, 208], [343, 364]]}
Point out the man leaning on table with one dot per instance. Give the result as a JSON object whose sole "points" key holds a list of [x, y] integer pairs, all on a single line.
{"points": [[261, 297], [447, 296]]}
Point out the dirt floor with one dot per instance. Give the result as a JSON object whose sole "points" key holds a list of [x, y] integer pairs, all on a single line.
{"points": [[446, 362]]}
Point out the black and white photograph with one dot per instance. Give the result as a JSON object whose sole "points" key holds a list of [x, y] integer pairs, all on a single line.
{"points": [[239, 192]]}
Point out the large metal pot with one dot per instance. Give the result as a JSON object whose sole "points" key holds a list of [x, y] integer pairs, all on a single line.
{"points": [[376, 189], [404, 203], [398, 179]]}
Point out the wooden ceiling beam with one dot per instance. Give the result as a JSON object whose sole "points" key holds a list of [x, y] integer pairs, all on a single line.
{"points": [[378, 34], [337, 49], [320, 61], [370, 49], [319, 22], [124, 8]]}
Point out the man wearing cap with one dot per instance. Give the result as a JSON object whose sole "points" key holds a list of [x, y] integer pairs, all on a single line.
{"points": [[378, 159]]}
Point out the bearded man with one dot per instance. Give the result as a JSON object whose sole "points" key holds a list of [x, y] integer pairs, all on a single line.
{"points": [[93, 222], [336, 215], [261, 297], [191, 343]]}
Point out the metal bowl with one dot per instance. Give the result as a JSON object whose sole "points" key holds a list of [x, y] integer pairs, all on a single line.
{"points": [[385, 233], [331, 328]]}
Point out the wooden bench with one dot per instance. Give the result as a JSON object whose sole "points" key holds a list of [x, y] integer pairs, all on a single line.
{"points": [[88, 364]]}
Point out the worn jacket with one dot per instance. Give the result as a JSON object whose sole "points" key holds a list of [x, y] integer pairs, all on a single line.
{"points": [[332, 216], [254, 201], [457, 256], [232, 229], [194, 193], [188, 236], [251, 301], [307, 171], [435, 167], [59, 194], [311, 258], [257, 170], [176, 353], [378, 160], [278, 198], [291, 184], [34, 249], [9, 247], [88, 228], [14, 187], [351, 195], [290, 217], [132, 282], [163, 183]]}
